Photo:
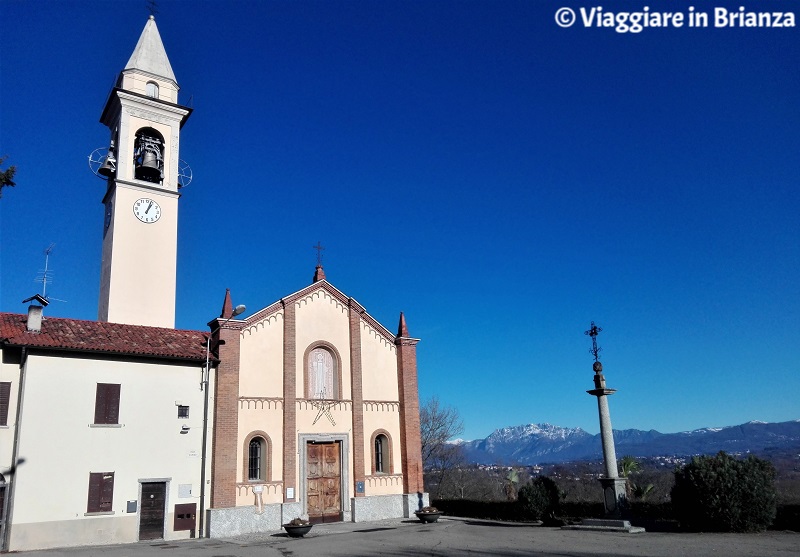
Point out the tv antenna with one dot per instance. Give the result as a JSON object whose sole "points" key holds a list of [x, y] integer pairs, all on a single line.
{"points": [[46, 275]]}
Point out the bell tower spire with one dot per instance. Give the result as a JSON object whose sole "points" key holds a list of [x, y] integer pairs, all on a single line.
{"points": [[140, 236]]}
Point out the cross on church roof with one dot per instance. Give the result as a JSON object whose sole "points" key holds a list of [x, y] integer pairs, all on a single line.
{"points": [[593, 331], [319, 249]]}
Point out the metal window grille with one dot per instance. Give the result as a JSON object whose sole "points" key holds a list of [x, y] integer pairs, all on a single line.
{"points": [[379, 453], [254, 460]]}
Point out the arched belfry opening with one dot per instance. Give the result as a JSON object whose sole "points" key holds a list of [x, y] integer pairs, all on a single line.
{"points": [[148, 158]]}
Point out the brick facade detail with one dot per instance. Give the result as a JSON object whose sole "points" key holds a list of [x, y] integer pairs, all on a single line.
{"points": [[289, 398], [226, 415], [410, 440], [355, 311]]}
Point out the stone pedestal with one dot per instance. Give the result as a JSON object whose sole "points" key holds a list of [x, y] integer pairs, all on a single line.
{"points": [[615, 497]]}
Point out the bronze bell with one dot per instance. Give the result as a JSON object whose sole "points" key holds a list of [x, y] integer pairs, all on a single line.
{"points": [[109, 167], [149, 168]]}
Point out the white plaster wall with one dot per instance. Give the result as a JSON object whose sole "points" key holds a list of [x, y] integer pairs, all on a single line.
{"points": [[379, 365], [143, 268], [136, 82], [322, 317], [261, 358], [267, 417], [61, 447], [382, 420]]}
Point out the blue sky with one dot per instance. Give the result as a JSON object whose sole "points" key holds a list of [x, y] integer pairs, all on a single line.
{"points": [[500, 179]]}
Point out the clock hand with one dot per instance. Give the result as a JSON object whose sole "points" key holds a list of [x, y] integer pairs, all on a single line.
{"points": [[148, 208]]}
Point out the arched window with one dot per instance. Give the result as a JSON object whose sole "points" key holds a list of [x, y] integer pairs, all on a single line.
{"points": [[381, 453], [148, 155], [152, 89], [322, 374], [257, 454], [255, 459]]}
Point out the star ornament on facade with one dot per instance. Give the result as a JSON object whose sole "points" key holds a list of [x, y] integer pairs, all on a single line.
{"points": [[323, 406]]}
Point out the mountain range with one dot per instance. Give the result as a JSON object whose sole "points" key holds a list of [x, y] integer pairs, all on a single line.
{"points": [[545, 443]]}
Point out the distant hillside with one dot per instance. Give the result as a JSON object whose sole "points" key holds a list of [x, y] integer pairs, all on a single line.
{"points": [[545, 443]]}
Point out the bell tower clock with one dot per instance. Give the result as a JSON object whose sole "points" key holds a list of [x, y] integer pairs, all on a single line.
{"points": [[140, 232]]}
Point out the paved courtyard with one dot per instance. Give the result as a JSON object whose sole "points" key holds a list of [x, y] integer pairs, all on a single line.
{"points": [[454, 536]]}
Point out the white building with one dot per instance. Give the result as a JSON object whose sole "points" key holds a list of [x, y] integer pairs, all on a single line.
{"points": [[106, 421]]}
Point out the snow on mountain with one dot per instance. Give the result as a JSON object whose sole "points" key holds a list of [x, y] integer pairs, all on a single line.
{"points": [[546, 443]]}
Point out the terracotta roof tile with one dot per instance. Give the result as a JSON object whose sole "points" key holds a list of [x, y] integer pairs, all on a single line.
{"points": [[96, 336]]}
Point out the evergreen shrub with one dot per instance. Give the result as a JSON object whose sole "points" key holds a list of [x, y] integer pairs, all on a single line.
{"points": [[725, 494], [539, 499]]}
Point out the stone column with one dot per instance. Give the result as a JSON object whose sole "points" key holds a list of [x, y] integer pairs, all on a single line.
{"points": [[615, 497]]}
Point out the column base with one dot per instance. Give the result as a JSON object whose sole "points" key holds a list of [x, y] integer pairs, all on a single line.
{"points": [[615, 496]]}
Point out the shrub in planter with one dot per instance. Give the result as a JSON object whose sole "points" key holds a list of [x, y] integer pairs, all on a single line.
{"points": [[724, 494], [539, 499]]}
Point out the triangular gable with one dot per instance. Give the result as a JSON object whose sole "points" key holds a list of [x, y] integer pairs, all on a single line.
{"points": [[333, 292]]}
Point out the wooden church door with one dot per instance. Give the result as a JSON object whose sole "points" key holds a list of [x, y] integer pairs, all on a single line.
{"points": [[324, 481]]}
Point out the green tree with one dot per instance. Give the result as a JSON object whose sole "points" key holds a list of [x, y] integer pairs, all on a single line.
{"points": [[724, 494], [539, 498], [6, 176], [628, 467], [512, 481]]}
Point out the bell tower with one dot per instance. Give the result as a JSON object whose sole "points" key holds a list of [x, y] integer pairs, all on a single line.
{"points": [[140, 233]]}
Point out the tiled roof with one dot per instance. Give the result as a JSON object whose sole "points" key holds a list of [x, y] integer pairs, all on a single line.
{"points": [[110, 338]]}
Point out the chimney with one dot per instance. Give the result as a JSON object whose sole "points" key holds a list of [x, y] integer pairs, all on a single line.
{"points": [[35, 312], [34, 318]]}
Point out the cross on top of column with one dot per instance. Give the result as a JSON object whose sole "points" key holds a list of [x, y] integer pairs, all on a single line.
{"points": [[593, 331]]}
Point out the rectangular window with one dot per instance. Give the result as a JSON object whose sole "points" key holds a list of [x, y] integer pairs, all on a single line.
{"points": [[183, 411], [5, 399], [101, 492], [106, 404]]}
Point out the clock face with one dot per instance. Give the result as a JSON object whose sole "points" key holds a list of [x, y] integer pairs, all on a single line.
{"points": [[147, 210]]}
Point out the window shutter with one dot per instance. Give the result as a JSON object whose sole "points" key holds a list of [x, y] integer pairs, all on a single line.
{"points": [[95, 486], [106, 407], [101, 492], [100, 405], [5, 398], [107, 493], [112, 406]]}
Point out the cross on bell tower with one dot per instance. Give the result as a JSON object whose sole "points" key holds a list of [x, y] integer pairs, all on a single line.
{"points": [[140, 235]]}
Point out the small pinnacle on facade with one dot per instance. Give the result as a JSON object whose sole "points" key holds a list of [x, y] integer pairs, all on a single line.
{"points": [[402, 329], [227, 305]]}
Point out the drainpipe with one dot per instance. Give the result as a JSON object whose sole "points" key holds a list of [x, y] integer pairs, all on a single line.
{"points": [[11, 481], [204, 449]]}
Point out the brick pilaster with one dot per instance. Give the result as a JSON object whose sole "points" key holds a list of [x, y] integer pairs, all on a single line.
{"points": [[410, 442], [289, 399], [226, 416], [355, 311]]}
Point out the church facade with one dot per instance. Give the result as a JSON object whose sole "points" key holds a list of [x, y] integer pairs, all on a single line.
{"points": [[317, 415]]}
